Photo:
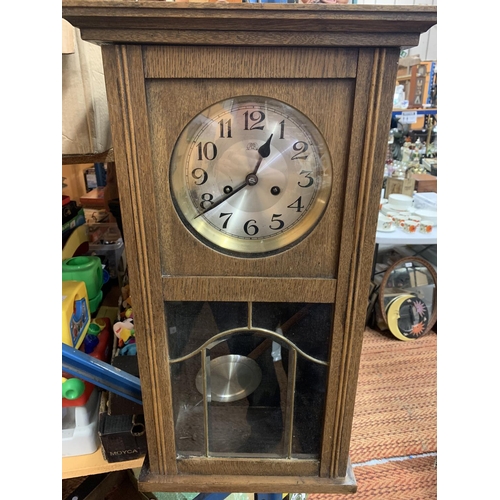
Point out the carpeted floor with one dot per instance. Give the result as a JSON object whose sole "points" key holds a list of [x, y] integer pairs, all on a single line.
{"points": [[394, 436], [396, 403], [409, 479]]}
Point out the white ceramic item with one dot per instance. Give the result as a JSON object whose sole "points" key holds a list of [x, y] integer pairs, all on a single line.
{"points": [[410, 226], [400, 218], [400, 201], [392, 214], [425, 227], [429, 215], [385, 224], [389, 208]]}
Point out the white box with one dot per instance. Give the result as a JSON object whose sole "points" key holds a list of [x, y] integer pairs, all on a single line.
{"points": [[79, 427], [427, 201]]}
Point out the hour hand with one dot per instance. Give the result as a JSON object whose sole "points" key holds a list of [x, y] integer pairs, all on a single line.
{"points": [[264, 151]]}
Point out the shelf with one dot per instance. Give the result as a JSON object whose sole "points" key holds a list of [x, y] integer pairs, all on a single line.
{"points": [[86, 465], [95, 463], [420, 112], [105, 157]]}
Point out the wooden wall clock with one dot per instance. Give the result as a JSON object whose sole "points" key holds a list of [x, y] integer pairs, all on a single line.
{"points": [[249, 143]]}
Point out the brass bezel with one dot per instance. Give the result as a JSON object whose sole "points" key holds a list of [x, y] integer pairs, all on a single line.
{"points": [[230, 244]]}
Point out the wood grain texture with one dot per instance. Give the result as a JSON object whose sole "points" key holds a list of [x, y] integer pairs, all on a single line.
{"points": [[105, 157], [248, 62], [128, 119], [173, 102], [238, 289], [377, 129], [248, 467], [332, 421], [250, 38], [242, 17], [247, 483]]}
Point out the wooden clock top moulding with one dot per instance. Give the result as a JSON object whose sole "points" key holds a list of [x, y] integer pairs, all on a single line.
{"points": [[107, 21]]}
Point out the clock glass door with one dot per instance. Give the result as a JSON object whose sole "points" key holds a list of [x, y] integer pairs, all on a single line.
{"points": [[248, 379]]}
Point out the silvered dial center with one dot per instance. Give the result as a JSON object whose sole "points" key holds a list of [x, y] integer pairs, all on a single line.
{"points": [[252, 179]]}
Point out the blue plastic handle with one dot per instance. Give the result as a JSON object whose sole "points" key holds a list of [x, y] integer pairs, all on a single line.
{"points": [[102, 374]]}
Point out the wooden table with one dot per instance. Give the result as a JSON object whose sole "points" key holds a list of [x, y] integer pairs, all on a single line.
{"points": [[86, 465]]}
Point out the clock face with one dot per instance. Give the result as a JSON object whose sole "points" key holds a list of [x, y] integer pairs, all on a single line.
{"points": [[250, 176]]}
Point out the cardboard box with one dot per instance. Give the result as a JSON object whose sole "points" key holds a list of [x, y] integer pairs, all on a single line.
{"points": [[425, 183], [123, 437], [399, 186], [85, 118]]}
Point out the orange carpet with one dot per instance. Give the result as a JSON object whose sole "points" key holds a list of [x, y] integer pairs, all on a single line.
{"points": [[410, 479], [395, 414]]}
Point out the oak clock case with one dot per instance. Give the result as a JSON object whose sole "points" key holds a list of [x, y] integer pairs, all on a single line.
{"points": [[249, 325], [250, 176]]}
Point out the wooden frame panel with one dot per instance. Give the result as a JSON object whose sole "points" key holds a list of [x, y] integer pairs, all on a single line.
{"points": [[173, 102], [246, 483], [248, 62], [130, 129], [248, 467], [376, 74], [241, 289], [260, 39]]}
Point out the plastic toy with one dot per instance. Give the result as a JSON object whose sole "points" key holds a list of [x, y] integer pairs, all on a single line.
{"points": [[89, 270], [124, 329], [101, 328], [91, 339], [75, 313], [72, 388], [129, 350]]}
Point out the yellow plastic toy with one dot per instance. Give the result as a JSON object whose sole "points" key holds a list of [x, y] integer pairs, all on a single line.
{"points": [[75, 312]]}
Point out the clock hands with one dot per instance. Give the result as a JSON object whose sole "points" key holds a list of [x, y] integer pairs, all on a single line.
{"points": [[264, 151], [224, 198], [250, 180]]}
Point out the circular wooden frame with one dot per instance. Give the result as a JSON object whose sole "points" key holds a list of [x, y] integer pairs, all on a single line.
{"points": [[398, 263]]}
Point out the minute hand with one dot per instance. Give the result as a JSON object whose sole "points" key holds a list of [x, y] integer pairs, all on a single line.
{"points": [[264, 151], [223, 199]]}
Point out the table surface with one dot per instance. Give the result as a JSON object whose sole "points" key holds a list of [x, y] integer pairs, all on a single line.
{"points": [[87, 465], [399, 237]]}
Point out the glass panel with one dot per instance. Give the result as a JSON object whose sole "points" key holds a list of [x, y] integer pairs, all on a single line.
{"points": [[188, 408], [245, 413], [188, 326], [255, 376]]}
